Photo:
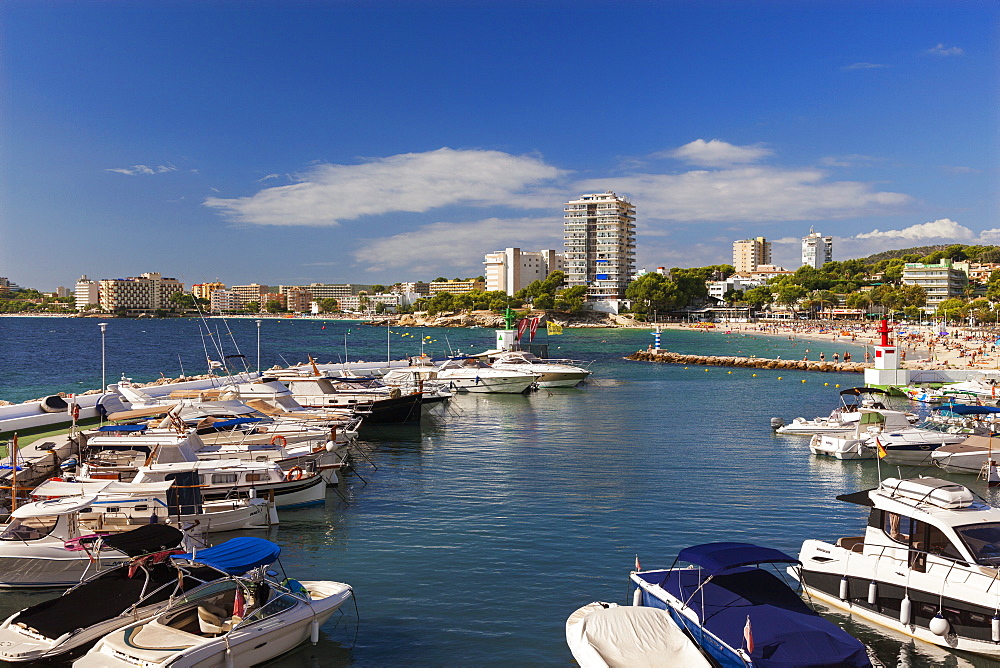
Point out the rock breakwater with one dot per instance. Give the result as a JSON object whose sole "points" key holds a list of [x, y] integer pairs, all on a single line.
{"points": [[667, 357]]}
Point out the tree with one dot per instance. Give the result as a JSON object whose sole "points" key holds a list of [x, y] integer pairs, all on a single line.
{"points": [[571, 299], [329, 305], [252, 307], [654, 292], [182, 301], [378, 289], [758, 297], [789, 295], [273, 306]]}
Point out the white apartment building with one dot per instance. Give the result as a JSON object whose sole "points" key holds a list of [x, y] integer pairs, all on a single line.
{"points": [[87, 292], [718, 289], [940, 281], [749, 254], [144, 293], [224, 301], [359, 303], [817, 250], [599, 233], [512, 269]]}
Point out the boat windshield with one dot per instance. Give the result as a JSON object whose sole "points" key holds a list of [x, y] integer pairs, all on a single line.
{"points": [[29, 528], [983, 540]]}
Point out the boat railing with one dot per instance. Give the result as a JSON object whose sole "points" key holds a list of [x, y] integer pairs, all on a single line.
{"points": [[972, 570]]}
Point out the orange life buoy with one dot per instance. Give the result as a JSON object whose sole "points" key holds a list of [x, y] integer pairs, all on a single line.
{"points": [[295, 473], [279, 437]]}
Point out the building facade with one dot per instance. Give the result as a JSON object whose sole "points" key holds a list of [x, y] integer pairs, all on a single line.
{"points": [[224, 301], [749, 254], [817, 250], [512, 269], [145, 293], [297, 299], [456, 287], [599, 234], [87, 292], [246, 294], [205, 290], [940, 281]]}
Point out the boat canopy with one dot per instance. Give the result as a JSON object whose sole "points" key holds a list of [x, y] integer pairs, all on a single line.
{"points": [[141, 412], [862, 498], [216, 423], [62, 488], [960, 409], [123, 427], [237, 555], [718, 558], [857, 391], [146, 539]]}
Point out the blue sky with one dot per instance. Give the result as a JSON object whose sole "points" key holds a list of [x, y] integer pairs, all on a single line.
{"points": [[371, 142]]}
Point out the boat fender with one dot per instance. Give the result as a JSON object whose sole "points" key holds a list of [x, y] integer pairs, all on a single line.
{"points": [[872, 592], [229, 656], [995, 624], [939, 625], [637, 597], [844, 589], [314, 631], [331, 446], [904, 610]]}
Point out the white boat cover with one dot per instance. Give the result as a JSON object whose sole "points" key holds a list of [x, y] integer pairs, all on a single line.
{"points": [[602, 635], [63, 488]]}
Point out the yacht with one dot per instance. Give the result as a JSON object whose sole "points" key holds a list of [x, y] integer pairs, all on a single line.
{"points": [[857, 443], [553, 373], [926, 565], [471, 374]]}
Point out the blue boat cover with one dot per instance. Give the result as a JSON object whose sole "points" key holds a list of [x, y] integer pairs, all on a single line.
{"points": [[237, 555], [124, 427], [716, 558], [233, 422], [961, 409]]}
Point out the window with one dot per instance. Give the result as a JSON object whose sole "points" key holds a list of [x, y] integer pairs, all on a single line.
{"points": [[29, 528], [983, 540], [224, 478]]}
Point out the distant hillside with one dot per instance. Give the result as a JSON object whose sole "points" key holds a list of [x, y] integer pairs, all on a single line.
{"points": [[892, 254], [974, 253]]}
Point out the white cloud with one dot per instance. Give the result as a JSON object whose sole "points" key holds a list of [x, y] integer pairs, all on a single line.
{"points": [[942, 50], [943, 228], [990, 236], [748, 194], [142, 170], [446, 246], [864, 66], [328, 194], [852, 160], [716, 153]]}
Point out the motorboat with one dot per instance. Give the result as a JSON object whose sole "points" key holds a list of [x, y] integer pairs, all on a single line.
{"points": [[972, 456], [553, 373], [239, 621], [856, 443], [966, 419], [601, 635], [915, 445], [741, 614], [368, 396], [926, 566], [471, 374], [116, 597], [842, 419]]}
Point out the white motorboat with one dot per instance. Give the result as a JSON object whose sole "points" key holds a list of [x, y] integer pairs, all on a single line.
{"points": [[601, 635], [470, 374], [914, 445], [842, 419], [233, 622], [119, 596], [855, 444], [926, 566], [552, 373]]}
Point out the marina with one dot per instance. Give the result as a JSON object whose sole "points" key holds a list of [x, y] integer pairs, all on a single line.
{"points": [[482, 530]]}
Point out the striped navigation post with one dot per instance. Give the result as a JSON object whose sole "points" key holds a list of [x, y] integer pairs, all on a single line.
{"points": [[656, 339]]}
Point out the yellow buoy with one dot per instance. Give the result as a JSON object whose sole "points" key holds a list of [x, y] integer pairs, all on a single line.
{"points": [[803, 380], [729, 372], [779, 377], [825, 384], [837, 385], [755, 375], [706, 370]]}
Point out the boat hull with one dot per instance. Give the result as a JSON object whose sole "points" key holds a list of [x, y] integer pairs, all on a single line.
{"points": [[838, 447]]}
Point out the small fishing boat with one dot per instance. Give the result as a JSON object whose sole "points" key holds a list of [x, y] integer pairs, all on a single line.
{"points": [[119, 596], [927, 564], [239, 621], [602, 635], [743, 615]]}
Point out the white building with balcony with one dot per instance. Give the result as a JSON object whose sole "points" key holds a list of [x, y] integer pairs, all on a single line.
{"points": [[599, 235], [940, 281], [512, 269]]}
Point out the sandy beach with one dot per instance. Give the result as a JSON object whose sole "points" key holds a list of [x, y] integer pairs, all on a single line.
{"points": [[921, 347]]}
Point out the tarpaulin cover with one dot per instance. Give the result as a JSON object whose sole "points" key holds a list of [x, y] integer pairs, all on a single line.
{"points": [[124, 427], [145, 539], [960, 409], [234, 422], [237, 555], [714, 558]]}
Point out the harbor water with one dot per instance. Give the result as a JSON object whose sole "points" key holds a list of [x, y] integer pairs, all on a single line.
{"points": [[479, 533]]}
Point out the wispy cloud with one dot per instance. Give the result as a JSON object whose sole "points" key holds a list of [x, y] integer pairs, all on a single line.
{"points": [[864, 66], [853, 160], [959, 169], [328, 194], [453, 245], [716, 153], [941, 50], [142, 170]]}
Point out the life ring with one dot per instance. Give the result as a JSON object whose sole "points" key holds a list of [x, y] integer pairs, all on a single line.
{"points": [[279, 437], [295, 473]]}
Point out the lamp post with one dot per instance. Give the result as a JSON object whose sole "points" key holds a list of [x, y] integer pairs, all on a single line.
{"points": [[104, 381], [258, 346]]}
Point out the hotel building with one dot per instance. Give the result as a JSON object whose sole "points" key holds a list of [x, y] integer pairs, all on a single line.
{"points": [[138, 294], [749, 254], [817, 250], [599, 233], [512, 269]]}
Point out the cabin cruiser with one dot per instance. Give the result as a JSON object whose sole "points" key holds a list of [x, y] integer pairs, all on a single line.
{"points": [[842, 419], [370, 397], [965, 419], [972, 456], [237, 621], [926, 566], [471, 374], [116, 597], [553, 373], [915, 445], [741, 614], [857, 443]]}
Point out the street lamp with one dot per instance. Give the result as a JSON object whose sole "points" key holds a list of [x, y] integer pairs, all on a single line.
{"points": [[258, 346], [104, 381]]}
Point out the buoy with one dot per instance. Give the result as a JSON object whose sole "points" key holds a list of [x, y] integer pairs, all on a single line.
{"points": [[844, 589], [729, 372], [904, 610], [755, 375], [826, 384], [939, 625], [314, 631], [803, 380], [837, 385], [706, 370], [637, 597], [779, 377], [995, 628], [872, 593]]}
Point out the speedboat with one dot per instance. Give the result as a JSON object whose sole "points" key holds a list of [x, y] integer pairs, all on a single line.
{"points": [[553, 373], [842, 419], [601, 635], [470, 374], [855, 444], [914, 445], [238, 621], [118, 596], [741, 614], [926, 566]]}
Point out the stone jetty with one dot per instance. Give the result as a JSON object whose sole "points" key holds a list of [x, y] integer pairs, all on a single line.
{"points": [[667, 357]]}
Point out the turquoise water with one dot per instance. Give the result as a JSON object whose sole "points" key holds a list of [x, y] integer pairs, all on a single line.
{"points": [[480, 533]]}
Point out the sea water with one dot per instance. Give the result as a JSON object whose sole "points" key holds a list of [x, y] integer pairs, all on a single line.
{"points": [[479, 533]]}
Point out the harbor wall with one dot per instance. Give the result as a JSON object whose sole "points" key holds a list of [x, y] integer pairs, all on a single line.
{"points": [[666, 357]]}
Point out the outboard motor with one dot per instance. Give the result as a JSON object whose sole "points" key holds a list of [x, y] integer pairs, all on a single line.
{"points": [[777, 423]]}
